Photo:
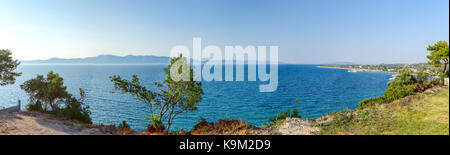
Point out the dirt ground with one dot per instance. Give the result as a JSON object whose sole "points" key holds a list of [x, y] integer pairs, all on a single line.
{"points": [[30, 123]]}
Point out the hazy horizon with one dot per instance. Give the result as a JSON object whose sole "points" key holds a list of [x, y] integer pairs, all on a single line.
{"points": [[307, 32], [336, 63]]}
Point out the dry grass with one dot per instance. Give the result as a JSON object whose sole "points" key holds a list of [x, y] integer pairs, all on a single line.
{"points": [[422, 114], [226, 127]]}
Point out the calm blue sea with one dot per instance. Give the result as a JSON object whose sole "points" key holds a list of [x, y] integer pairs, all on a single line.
{"points": [[320, 91]]}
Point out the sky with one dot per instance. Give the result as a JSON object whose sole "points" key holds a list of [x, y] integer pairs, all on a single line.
{"points": [[306, 31]]}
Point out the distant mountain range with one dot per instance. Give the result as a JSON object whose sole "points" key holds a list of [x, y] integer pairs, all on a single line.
{"points": [[109, 59], [112, 59]]}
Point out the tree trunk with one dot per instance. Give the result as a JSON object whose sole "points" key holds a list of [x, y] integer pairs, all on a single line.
{"points": [[445, 68], [168, 127], [169, 120]]}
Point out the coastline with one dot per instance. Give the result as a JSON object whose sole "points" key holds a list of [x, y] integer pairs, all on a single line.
{"points": [[356, 69], [35, 123]]}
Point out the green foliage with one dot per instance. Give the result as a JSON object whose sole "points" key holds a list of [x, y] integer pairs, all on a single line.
{"points": [[398, 92], [370, 102], [422, 77], [48, 92], [439, 56], [7, 67], [174, 96], [49, 95], [75, 109], [405, 77], [124, 124], [276, 120], [403, 85], [394, 67], [391, 94], [122, 129], [421, 114], [228, 126], [155, 120], [342, 117]]}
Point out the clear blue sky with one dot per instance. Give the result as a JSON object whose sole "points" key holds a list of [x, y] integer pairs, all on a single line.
{"points": [[306, 31]]}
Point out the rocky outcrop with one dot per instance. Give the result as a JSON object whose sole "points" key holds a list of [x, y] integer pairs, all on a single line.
{"points": [[296, 126]]}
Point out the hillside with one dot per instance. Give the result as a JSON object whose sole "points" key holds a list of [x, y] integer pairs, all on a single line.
{"points": [[422, 114]]}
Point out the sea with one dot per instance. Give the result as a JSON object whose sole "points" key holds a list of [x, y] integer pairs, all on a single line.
{"points": [[313, 90]]}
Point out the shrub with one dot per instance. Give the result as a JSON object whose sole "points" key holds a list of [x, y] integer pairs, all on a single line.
{"points": [[121, 129], [124, 124], [203, 126], [276, 120], [227, 125], [398, 92], [222, 126], [49, 95], [158, 128], [124, 129], [404, 78], [403, 85], [75, 109], [421, 87], [344, 116], [423, 77], [369, 102]]}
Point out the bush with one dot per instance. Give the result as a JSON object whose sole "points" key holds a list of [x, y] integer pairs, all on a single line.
{"points": [[203, 126], [369, 102], [422, 87], [228, 126], [157, 128], [122, 129], [403, 85], [49, 95], [404, 78], [124, 124], [37, 106], [423, 77], [276, 120], [342, 117], [76, 110], [398, 92]]}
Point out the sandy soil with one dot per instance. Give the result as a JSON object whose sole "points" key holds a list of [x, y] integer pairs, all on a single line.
{"points": [[31, 123], [296, 126]]}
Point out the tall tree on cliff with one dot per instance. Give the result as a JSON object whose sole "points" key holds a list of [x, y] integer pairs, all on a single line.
{"points": [[439, 55], [176, 95], [7, 67]]}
